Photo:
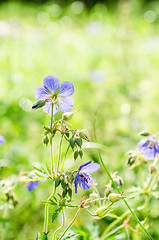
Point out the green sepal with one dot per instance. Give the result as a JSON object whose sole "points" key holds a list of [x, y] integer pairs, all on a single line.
{"points": [[57, 90], [67, 116], [145, 133], [78, 140], [45, 140], [55, 213], [70, 192], [76, 154], [57, 182], [72, 143]]}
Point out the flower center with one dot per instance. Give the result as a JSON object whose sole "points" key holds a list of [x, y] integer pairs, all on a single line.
{"points": [[85, 177], [151, 143]]}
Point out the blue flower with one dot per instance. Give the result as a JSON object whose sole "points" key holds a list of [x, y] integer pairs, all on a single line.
{"points": [[149, 147], [54, 93], [32, 185], [83, 178], [2, 139]]}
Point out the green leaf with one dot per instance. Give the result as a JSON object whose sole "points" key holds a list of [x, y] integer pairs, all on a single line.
{"points": [[57, 182], [38, 169], [78, 140], [55, 213], [72, 143], [69, 236], [75, 154]]}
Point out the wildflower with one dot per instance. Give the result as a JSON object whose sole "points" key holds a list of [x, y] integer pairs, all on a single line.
{"points": [[149, 147], [2, 139], [85, 181], [54, 93]]}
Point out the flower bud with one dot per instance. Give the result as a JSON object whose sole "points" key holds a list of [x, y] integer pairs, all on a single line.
{"points": [[67, 116], [84, 134], [145, 133], [46, 140], [152, 168], [118, 180], [114, 197], [102, 211], [38, 104], [93, 195]]}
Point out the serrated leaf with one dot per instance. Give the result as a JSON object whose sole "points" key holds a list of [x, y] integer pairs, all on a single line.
{"points": [[75, 155], [72, 143], [55, 213], [78, 140], [57, 182]]}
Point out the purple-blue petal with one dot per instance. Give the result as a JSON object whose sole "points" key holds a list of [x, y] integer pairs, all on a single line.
{"points": [[51, 83], [85, 164], [149, 153], [48, 108], [41, 93], [142, 143], [85, 181], [66, 89], [2, 139], [32, 185], [91, 168], [76, 182], [66, 104]]}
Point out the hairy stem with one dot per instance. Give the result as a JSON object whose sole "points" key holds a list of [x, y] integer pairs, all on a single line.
{"points": [[62, 225], [71, 223], [59, 157], [64, 158], [116, 187]]}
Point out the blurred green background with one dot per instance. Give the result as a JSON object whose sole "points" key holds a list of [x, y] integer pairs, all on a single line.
{"points": [[110, 52]]}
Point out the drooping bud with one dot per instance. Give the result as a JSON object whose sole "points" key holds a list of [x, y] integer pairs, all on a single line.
{"points": [[118, 180], [132, 157], [145, 133], [38, 104], [84, 134], [46, 140], [67, 116]]}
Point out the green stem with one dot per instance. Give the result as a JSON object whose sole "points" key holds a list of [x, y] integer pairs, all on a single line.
{"points": [[153, 181], [63, 223], [46, 212], [64, 158], [116, 187], [113, 231], [113, 224], [93, 215], [59, 157], [70, 223]]}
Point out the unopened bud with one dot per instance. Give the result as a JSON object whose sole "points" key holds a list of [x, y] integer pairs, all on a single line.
{"points": [[152, 168], [118, 180], [102, 211], [38, 104], [145, 133], [67, 116], [46, 140], [114, 197], [84, 134], [93, 196]]}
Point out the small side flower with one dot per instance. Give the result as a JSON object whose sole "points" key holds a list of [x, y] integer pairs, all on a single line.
{"points": [[83, 178], [149, 147]]}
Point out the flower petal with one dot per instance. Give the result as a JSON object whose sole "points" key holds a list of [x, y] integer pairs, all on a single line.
{"points": [[149, 153], [91, 168], [51, 83], [66, 104], [142, 143], [41, 93], [85, 181], [85, 164], [32, 185], [66, 89], [48, 108], [76, 182]]}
